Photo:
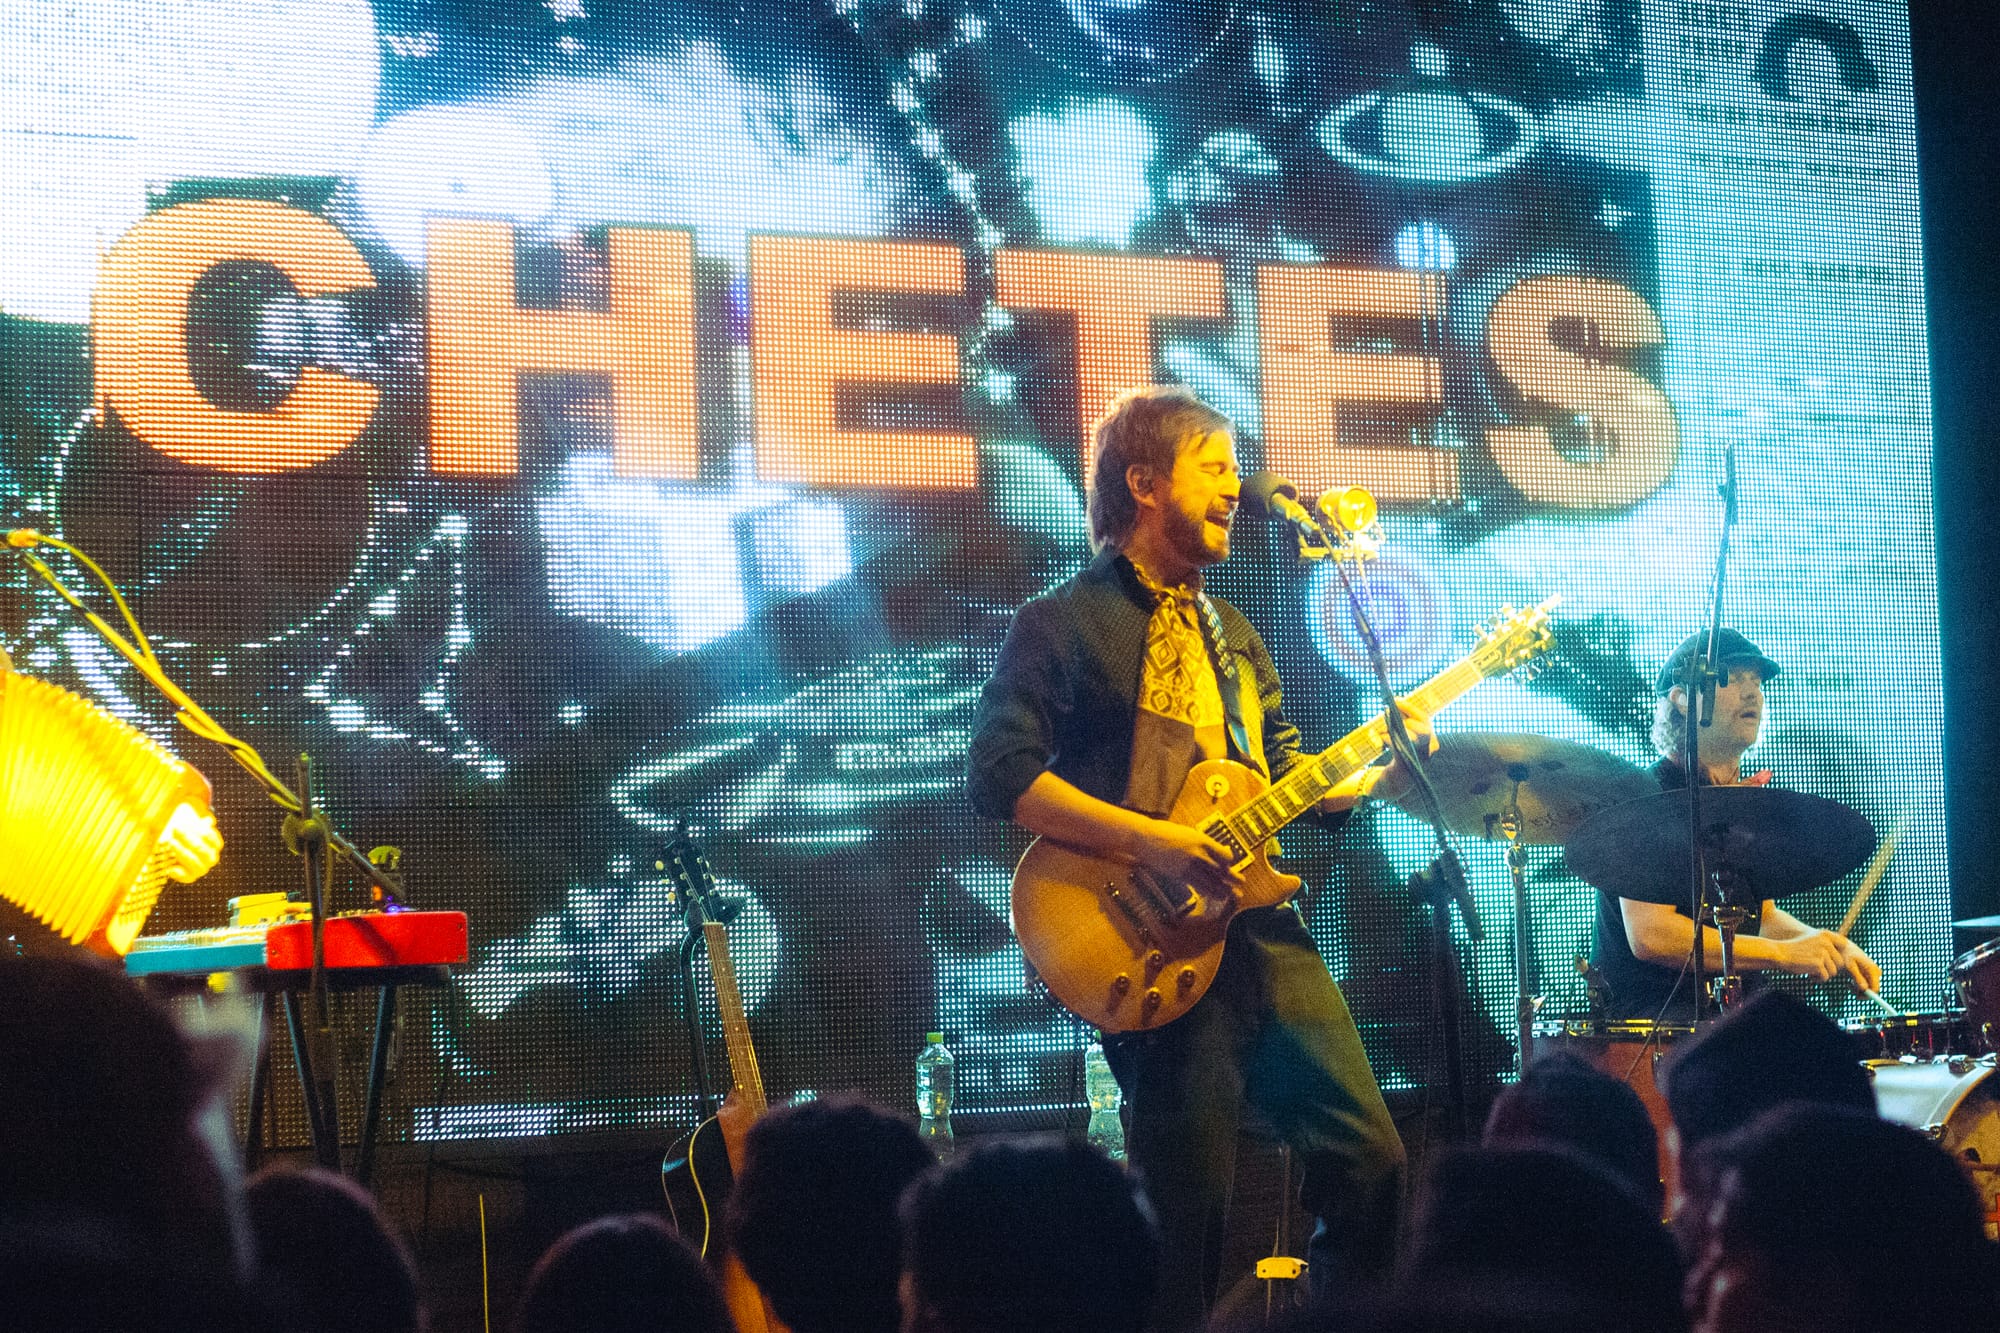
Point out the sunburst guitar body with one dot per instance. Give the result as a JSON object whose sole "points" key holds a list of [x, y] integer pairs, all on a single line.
{"points": [[1126, 951]]}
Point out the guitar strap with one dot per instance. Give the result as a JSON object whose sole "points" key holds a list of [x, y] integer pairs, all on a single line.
{"points": [[1238, 694]]}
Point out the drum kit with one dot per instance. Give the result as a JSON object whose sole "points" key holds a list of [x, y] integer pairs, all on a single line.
{"points": [[1620, 833]]}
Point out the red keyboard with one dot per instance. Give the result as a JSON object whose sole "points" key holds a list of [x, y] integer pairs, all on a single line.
{"points": [[363, 940]]}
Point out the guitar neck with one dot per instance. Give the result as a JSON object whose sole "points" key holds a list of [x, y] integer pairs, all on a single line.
{"points": [[1308, 783], [746, 1078]]}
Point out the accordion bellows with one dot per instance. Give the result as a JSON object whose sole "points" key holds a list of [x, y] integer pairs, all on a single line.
{"points": [[86, 802]]}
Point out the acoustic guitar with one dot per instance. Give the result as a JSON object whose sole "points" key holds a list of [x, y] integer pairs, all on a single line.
{"points": [[1125, 951], [703, 1163]]}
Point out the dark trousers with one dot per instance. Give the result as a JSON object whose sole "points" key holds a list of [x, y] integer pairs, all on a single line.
{"points": [[1274, 1033]]}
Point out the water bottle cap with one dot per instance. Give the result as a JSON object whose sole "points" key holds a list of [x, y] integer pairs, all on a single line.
{"points": [[934, 1038]]}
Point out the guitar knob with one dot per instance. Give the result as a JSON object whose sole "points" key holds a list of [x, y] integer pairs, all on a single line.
{"points": [[1155, 962], [1186, 980], [1122, 983], [1151, 1004]]}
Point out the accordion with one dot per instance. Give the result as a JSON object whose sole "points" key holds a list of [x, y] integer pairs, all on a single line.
{"points": [[95, 816]]}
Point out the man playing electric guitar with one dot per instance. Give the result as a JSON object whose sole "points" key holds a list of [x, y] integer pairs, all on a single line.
{"points": [[1109, 689]]}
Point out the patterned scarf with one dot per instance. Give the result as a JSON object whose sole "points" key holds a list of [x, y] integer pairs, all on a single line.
{"points": [[1183, 715]]}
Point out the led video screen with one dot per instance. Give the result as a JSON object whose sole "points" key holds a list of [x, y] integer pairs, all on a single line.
{"points": [[579, 421]]}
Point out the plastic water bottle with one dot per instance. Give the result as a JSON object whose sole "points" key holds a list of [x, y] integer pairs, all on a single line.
{"points": [[934, 1087], [1100, 1089]]}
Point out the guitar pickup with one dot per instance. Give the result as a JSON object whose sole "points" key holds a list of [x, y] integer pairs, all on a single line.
{"points": [[1220, 831]]}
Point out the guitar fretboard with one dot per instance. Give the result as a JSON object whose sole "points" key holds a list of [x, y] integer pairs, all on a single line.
{"points": [[743, 1071], [1307, 784]]}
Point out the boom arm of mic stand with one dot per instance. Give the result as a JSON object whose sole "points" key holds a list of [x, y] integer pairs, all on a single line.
{"points": [[197, 720]]}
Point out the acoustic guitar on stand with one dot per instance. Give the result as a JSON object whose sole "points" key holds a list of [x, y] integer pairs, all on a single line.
{"points": [[1125, 951], [708, 1157]]}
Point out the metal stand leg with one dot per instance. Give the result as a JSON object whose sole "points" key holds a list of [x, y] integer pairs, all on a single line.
{"points": [[378, 1067], [1728, 986], [260, 1082], [1524, 957], [326, 1147]]}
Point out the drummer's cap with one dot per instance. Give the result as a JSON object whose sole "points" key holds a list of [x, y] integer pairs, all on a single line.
{"points": [[1732, 650]]}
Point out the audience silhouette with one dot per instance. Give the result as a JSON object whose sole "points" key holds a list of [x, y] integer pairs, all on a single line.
{"points": [[1028, 1237], [623, 1274], [122, 1207], [813, 1215]]}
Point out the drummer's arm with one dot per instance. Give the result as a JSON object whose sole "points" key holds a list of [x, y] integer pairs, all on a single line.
{"points": [[1782, 925], [1859, 967], [1659, 934]]}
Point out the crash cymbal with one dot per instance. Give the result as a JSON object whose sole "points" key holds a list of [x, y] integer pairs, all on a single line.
{"points": [[1557, 784], [1767, 842]]}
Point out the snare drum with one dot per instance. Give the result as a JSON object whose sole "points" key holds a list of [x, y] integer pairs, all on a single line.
{"points": [[1977, 976], [1629, 1050], [1957, 1102], [1919, 1036]]}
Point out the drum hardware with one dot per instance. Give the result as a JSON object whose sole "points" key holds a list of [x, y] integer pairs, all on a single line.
{"points": [[1521, 790], [1920, 1036]]}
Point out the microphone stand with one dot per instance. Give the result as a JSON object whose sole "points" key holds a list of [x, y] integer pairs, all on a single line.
{"points": [[1699, 680], [306, 832], [1445, 877]]}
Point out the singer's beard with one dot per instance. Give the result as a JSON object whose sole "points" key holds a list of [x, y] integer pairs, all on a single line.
{"points": [[1197, 538]]}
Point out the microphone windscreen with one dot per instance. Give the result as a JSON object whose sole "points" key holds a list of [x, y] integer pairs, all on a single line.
{"points": [[1259, 488]]}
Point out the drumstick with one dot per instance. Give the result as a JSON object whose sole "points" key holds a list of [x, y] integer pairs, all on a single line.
{"points": [[1887, 1008], [1876, 870]]}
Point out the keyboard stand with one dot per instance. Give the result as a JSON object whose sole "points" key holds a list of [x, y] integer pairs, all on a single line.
{"points": [[290, 987]]}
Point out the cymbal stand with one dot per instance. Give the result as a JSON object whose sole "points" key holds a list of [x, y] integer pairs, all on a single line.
{"points": [[1526, 1002], [1728, 916]]}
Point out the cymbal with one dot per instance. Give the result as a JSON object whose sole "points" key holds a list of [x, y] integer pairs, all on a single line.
{"points": [[1556, 784], [1772, 842], [1971, 923]]}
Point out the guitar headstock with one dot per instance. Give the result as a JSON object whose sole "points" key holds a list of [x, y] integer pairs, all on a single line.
{"points": [[1515, 642], [686, 867]]}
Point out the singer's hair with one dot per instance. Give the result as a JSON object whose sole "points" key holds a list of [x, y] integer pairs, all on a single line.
{"points": [[1144, 427]]}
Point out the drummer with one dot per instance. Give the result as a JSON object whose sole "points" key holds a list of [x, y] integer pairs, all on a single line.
{"points": [[1642, 948]]}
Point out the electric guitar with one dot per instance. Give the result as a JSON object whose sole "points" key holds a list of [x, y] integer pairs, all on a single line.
{"points": [[703, 1163], [1125, 951]]}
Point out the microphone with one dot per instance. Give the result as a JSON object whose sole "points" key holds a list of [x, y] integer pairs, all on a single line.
{"points": [[1271, 495], [23, 538]]}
